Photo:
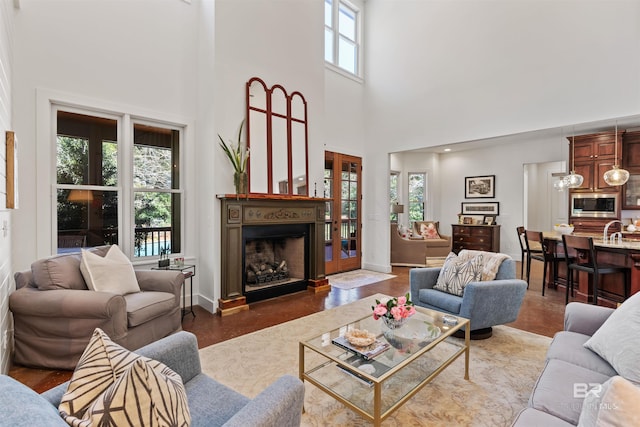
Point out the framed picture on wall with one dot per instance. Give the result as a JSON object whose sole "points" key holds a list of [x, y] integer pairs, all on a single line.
{"points": [[481, 208], [478, 187], [489, 220], [11, 156]]}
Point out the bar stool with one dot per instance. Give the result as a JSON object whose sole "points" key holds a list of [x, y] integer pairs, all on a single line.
{"points": [[585, 261], [545, 255], [523, 251]]}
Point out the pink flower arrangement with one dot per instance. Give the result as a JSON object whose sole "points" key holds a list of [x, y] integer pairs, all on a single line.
{"points": [[394, 308]]}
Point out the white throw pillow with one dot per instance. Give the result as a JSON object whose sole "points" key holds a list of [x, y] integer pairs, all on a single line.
{"points": [[614, 403], [618, 339], [114, 273], [457, 273]]}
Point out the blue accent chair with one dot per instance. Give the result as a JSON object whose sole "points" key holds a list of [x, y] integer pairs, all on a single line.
{"points": [[485, 304], [211, 403]]}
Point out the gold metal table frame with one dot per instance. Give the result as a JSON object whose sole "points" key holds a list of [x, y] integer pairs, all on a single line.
{"points": [[403, 371]]}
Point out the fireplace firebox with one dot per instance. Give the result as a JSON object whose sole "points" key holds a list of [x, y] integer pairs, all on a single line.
{"points": [[271, 245], [274, 260]]}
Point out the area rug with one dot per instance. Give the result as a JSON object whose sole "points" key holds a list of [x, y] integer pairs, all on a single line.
{"points": [[503, 370], [357, 278]]}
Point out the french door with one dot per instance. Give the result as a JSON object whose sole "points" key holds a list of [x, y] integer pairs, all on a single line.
{"points": [[343, 224]]}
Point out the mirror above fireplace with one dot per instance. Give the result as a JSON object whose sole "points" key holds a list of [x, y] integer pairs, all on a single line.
{"points": [[277, 137]]}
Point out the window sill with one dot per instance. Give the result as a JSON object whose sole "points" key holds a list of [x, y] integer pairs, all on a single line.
{"points": [[343, 72]]}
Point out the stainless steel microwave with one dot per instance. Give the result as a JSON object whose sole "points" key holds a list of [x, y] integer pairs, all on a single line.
{"points": [[594, 205]]}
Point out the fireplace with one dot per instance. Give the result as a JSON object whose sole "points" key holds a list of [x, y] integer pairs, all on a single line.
{"points": [[270, 246], [274, 260]]}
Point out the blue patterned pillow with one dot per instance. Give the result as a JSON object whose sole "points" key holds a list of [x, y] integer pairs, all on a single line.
{"points": [[457, 273]]}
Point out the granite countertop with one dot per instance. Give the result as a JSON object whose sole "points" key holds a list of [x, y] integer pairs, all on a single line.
{"points": [[625, 243]]}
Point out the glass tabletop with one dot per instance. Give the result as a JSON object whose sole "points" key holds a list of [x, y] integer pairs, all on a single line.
{"points": [[421, 332]]}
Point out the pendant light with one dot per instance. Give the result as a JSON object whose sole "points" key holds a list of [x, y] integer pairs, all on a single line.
{"points": [[574, 180], [561, 183], [616, 176]]}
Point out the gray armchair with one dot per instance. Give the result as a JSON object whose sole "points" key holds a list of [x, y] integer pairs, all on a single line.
{"points": [[485, 304], [55, 314]]}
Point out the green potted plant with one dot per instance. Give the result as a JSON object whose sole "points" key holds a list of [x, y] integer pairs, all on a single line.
{"points": [[238, 155]]}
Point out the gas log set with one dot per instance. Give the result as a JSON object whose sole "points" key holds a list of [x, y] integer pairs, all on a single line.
{"points": [[267, 272]]}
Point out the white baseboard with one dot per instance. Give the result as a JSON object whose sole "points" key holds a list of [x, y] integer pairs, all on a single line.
{"points": [[380, 268]]}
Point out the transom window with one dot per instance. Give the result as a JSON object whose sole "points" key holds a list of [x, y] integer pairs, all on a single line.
{"points": [[96, 194], [342, 35]]}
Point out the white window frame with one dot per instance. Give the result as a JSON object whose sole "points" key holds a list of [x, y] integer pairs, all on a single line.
{"points": [[333, 64], [48, 102], [180, 190]]}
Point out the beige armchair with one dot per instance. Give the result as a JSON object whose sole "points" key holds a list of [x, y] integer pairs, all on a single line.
{"points": [[414, 251], [54, 312]]}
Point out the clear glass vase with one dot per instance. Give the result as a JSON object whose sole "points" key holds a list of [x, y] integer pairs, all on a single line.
{"points": [[392, 323], [240, 181]]}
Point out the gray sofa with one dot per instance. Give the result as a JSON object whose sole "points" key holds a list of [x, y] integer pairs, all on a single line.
{"points": [[55, 314], [485, 304], [210, 403], [553, 401]]}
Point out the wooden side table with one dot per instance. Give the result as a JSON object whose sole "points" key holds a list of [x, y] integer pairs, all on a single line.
{"points": [[188, 270]]}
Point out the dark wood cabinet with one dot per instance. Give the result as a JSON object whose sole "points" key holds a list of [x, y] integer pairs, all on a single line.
{"points": [[593, 155], [631, 162], [475, 237]]}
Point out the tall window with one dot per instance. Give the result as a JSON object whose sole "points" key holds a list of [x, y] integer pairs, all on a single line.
{"points": [[156, 190], [342, 35], [417, 187], [393, 194], [92, 187], [87, 181]]}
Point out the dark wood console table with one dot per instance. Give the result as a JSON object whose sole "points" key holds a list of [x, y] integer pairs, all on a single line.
{"points": [[475, 237]]}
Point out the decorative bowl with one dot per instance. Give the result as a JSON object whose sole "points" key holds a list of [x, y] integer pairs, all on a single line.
{"points": [[360, 338], [563, 228]]}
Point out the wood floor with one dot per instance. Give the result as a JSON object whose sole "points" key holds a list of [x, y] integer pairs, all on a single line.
{"points": [[540, 315]]}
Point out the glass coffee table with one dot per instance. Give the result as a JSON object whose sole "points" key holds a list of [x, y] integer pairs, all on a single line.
{"points": [[376, 386]]}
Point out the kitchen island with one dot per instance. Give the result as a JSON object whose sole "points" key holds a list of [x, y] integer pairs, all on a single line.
{"points": [[623, 252]]}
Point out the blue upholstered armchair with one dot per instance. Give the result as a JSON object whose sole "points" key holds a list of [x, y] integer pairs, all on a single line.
{"points": [[211, 403], [485, 304]]}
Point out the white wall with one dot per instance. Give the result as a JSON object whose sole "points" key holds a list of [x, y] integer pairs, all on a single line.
{"points": [[121, 55], [539, 194], [6, 123], [506, 163], [172, 59], [446, 72], [280, 42], [435, 72]]}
